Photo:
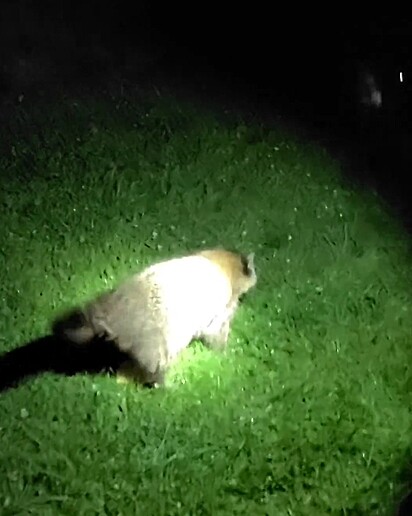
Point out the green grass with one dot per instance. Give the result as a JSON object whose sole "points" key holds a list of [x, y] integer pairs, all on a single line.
{"points": [[309, 412]]}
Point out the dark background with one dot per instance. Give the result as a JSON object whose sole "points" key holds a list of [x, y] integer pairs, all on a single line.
{"points": [[272, 61], [291, 55]]}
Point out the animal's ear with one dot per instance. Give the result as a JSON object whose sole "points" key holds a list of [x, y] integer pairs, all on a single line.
{"points": [[250, 264]]}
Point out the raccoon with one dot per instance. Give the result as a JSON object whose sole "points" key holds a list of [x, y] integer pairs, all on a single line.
{"points": [[157, 313]]}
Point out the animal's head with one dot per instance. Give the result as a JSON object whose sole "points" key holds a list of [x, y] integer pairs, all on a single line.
{"points": [[238, 268]]}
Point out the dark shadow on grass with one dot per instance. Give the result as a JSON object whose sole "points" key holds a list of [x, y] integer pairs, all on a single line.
{"points": [[50, 354], [404, 507]]}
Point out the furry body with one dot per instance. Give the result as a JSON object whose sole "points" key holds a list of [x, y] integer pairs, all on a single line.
{"points": [[156, 313]]}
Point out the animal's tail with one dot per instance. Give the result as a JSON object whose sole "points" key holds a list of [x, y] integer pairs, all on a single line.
{"points": [[75, 327]]}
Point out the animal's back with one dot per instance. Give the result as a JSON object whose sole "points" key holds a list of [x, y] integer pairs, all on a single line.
{"points": [[188, 292]]}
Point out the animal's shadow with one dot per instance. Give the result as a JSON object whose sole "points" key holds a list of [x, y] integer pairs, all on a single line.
{"points": [[405, 504], [52, 354], [405, 507]]}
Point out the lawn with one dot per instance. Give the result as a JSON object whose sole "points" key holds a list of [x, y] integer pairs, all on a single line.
{"points": [[310, 410]]}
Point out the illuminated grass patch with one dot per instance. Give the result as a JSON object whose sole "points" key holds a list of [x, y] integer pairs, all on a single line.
{"points": [[308, 413]]}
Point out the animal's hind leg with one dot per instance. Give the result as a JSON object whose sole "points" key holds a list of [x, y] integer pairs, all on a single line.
{"points": [[150, 360], [156, 379], [127, 372], [131, 372]]}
